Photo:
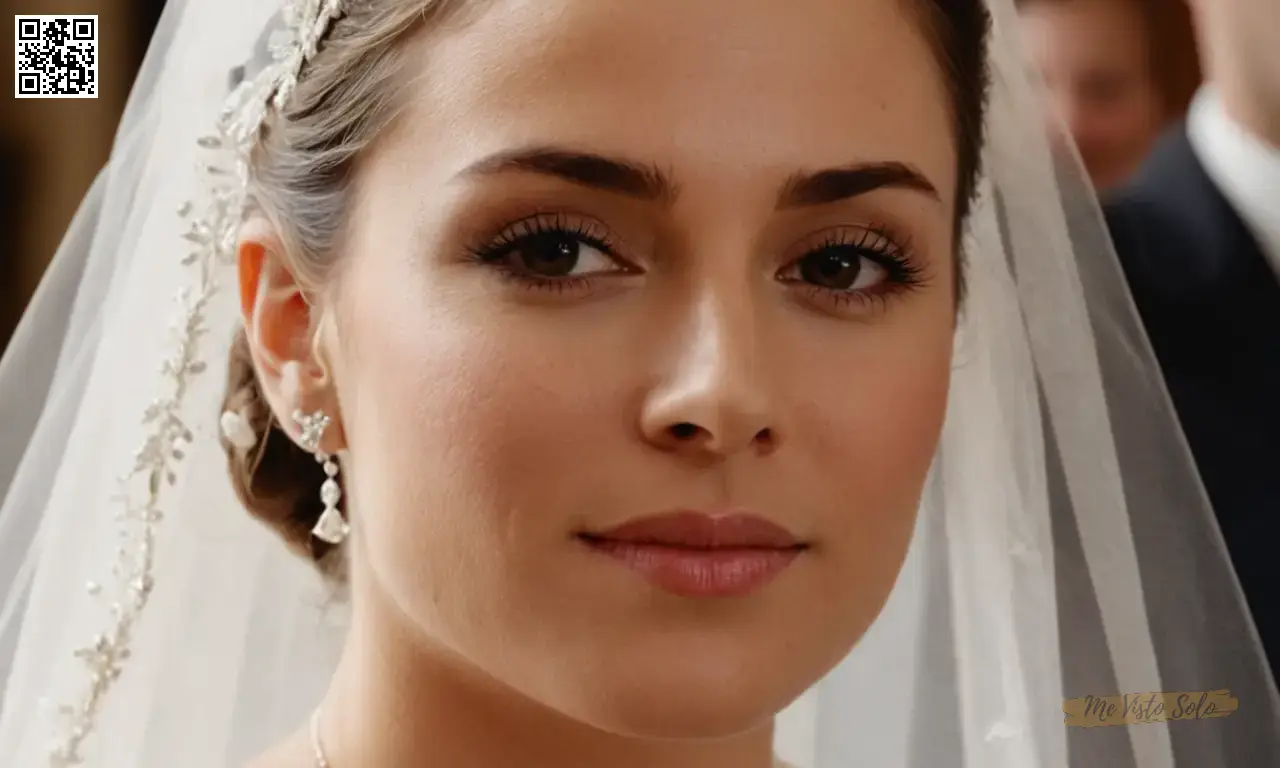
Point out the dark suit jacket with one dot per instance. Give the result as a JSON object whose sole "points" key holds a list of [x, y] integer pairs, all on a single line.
{"points": [[1211, 306]]}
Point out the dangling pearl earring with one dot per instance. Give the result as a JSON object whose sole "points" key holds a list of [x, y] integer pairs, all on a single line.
{"points": [[331, 528]]}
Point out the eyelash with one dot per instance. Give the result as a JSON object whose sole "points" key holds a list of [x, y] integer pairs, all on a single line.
{"points": [[874, 244], [493, 253]]}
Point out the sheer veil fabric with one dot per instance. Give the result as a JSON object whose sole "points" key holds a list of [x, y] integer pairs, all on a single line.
{"points": [[1065, 546]]}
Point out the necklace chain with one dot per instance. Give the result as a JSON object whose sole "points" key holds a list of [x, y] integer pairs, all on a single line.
{"points": [[322, 760]]}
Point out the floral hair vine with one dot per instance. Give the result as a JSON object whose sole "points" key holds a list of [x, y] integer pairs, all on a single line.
{"points": [[213, 235]]}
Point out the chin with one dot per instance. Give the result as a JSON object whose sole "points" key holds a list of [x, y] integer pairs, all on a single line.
{"points": [[690, 693], [681, 712]]}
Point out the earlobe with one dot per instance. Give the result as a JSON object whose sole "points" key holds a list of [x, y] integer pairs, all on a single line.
{"points": [[280, 327]]}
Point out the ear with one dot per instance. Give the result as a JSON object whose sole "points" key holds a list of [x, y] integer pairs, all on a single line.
{"points": [[282, 327]]}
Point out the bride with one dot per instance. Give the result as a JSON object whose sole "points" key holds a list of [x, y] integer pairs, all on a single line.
{"points": [[626, 384]]}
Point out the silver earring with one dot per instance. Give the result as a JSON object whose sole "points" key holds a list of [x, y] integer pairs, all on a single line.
{"points": [[331, 528]]}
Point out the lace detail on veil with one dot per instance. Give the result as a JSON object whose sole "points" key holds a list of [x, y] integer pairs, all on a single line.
{"points": [[213, 236]]}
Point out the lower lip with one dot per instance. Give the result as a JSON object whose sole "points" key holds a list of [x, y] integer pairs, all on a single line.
{"points": [[700, 572]]}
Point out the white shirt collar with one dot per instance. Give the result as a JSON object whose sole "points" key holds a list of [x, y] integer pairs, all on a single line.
{"points": [[1245, 168]]}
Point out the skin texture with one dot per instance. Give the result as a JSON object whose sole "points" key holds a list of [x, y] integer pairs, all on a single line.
{"points": [[484, 422], [1094, 58]]}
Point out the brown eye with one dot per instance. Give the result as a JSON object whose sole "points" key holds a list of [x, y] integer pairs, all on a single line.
{"points": [[553, 255], [851, 268], [550, 254], [550, 249], [838, 268]]}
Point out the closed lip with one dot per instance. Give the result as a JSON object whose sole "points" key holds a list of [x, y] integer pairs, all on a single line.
{"points": [[700, 530]]}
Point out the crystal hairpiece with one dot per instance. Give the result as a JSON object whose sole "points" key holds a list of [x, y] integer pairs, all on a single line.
{"points": [[213, 237]]}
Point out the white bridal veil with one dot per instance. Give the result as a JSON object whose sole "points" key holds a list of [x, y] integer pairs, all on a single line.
{"points": [[1065, 547]]}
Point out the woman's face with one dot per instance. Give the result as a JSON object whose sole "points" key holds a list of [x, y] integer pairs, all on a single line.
{"points": [[620, 259], [1094, 58]]}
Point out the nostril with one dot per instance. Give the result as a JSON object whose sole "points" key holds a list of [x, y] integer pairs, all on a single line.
{"points": [[684, 430]]}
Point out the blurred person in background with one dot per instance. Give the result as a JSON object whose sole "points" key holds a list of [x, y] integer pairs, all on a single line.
{"points": [[1118, 72], [1198, 233]]}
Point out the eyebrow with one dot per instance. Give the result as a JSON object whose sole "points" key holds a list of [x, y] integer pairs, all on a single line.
{"points": [[608, 174], [651, 183], [835, 184]]}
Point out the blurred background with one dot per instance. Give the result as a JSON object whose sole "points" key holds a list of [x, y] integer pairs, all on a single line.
{"points": [[1119, 72], [51, 149]]}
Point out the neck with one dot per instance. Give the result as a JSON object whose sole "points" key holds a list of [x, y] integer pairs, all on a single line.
{"points": [[396, 700]]}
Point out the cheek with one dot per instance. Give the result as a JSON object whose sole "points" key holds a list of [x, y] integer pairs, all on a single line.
{"points": [[875, 434], [419, 383], [887, 434], [467, 432], [435, 402], [874, 412]]}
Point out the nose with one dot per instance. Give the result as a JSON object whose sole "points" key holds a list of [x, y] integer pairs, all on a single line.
{"points": [[713, 400]]}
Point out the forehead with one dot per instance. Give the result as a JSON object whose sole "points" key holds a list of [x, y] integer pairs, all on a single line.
{"points": [[706, 87]]}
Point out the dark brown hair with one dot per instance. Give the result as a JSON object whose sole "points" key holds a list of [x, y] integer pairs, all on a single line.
{"points": [[304, 165]]}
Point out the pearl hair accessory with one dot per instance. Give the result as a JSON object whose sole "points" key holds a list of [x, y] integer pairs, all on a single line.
{"points": [[235, 428], [212, 236]]}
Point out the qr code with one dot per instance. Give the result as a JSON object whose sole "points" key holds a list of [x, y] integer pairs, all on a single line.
{"points": [[57, 57]]}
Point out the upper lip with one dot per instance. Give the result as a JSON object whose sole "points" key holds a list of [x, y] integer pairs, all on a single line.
{"points": [[701, 530]]}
